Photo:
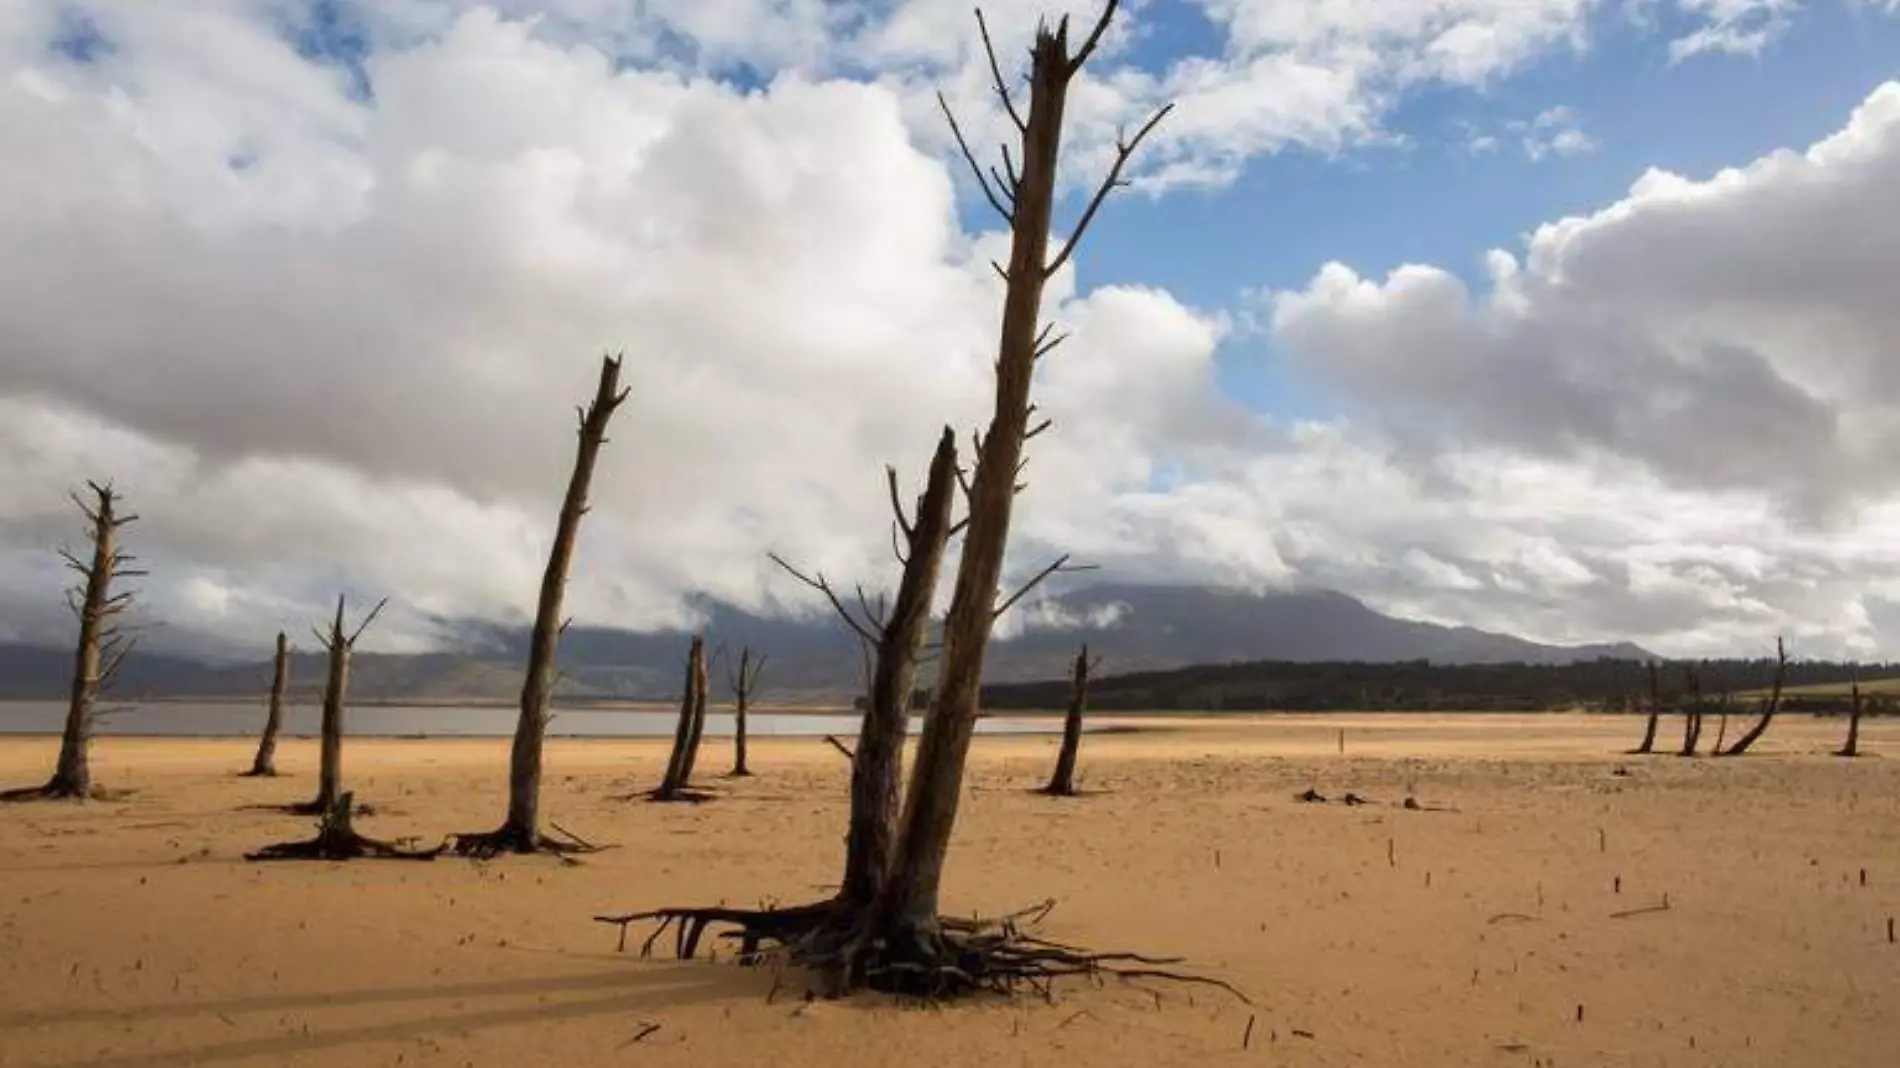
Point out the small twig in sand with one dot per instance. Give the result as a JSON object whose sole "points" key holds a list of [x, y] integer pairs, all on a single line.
{"points": [[1627, 913], [640, 1036]]}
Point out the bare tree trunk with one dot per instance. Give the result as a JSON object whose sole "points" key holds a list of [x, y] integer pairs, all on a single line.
{"points": [[699, 722], [1768, 711], [1692, 715], [745, 682], [1655, 711], [520, 832], [1062, 783], [1851, 748], [101, 647], [336, 684], [909, 904], [330, 764], [673, 785], [877, 761], [265, 763]]}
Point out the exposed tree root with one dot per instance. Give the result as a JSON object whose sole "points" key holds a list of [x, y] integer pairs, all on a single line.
{"points": [[510, 838], [310, 808], [57, 790], [687, 794], [337, 840], [949, 958]]}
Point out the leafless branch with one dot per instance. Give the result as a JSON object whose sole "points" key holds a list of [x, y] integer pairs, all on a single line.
{"points": [[823, 586], [975, 167], [897, 502], [1123, 150], [996, 75], [116, 653], [1095, 38], [367, 620], [1060, 566]]}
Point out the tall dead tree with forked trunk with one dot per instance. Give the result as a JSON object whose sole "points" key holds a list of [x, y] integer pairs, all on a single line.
{"points": [[899, 942], [893, 637], [1851, 747], [1062, 782], [744, 680], [1773, 705], [520, 831], [265, 762], [102, 645]]}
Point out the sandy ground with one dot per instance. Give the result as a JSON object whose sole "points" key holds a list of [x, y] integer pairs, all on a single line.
{"points": [[133, 933]]}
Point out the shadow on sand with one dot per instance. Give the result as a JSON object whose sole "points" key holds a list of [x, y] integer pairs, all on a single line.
{"points": [[630, 990]]}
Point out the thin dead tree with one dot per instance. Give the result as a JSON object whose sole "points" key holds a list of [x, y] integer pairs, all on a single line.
{"points": [[1768, 710], [1655, 712], [899, 942], [1851, 747], [1692, 714], [265, 762], [675, 785], [102, 645], [520, 831], [1724, 705], [336, 684], [744, 680], [1062, 782]]}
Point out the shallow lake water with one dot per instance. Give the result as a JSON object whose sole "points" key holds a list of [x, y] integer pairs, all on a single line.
{"points": [[187, 719]]}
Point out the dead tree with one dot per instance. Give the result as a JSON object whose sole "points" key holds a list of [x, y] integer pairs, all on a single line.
{"points": [[1724, 704], [102, 645], [1062, 783], [744, 680], [1692, 714], [520, 831], [340, 646], [675, 784], [265, 763], [897, 640], [899, 942], [1754, 733], [1655, 712], [1851, 748], [698, 734]]}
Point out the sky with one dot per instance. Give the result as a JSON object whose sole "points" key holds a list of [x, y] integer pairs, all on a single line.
{"points": [[1568, 318]]}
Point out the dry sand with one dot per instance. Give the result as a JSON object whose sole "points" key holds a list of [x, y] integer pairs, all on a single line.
{"points": [[132, 932]]}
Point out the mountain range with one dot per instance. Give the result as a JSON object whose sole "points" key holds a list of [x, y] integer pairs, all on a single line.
{"points": [[815, 660]]}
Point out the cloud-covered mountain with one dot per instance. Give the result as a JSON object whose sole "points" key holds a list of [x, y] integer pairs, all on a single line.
{"points": [[1131, 627]]}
